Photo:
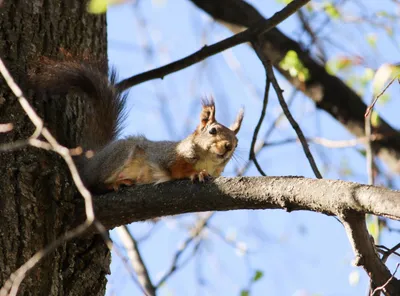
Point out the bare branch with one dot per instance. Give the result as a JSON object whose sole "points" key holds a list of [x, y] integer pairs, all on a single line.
{"points": [[231, 242], [195, 232], [383, 287], [268, 66], [136, 260], [384, 250], [260, 145], [207, 51], [365, 252], [369, 150], [252, 154], [6, 127], [328, 143], [390, 252], [371, 106]]}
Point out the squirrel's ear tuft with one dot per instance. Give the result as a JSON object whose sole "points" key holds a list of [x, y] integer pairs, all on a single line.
{"points": [[207, 114], [235, 127]]}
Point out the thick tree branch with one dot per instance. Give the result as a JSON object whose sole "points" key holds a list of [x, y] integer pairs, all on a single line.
{"points": [[366, 254], [331, 197], [328, 92]]}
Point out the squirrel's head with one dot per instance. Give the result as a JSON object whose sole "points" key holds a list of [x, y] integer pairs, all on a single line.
{"points": [[213, 138]]}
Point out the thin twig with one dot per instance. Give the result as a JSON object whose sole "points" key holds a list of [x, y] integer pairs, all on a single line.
{"points": [[388, 281], [230, 242], [369, 153], [268, 65], [390, 252], [104, 233], [371, 106], [14, 145], [383, 250], [328, 143], [369, 158], [313, 36], [391, 229], [258, 147], [6, 127], [195, 232], [252, 154], [136, 260], [261, 27]]}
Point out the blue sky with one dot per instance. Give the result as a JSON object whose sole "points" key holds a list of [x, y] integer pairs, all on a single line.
{"points": [[300, 253]]}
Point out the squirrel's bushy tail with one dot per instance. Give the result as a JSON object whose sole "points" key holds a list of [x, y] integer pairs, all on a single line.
{"points": [[104, 115]]}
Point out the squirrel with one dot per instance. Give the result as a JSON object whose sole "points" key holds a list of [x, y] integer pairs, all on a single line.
{"points": [[110, 162]]}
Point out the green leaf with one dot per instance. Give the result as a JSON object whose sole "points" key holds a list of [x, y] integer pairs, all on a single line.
{"points": [[309, 7], [100, 6], [373, 228], [362, 152], [383, 99], [367, 77], [375, 119], [330, 67], [343, 63], [245, 293], [294, 66], [382, 13], [331, 10], [345, 169], [97, 6], [338, 63], [371, 39], [383, 75], [389, 31], [258, 275]]}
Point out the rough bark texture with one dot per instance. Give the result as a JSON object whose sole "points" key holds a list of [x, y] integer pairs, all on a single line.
{"points": [[36, 196], [330, 197], [327, 91]]}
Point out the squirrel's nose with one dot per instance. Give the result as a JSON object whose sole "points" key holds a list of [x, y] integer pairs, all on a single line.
{"points": [[228, 146]]}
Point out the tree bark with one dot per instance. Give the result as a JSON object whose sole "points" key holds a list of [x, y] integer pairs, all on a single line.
{"points": [[36, 192], [330, 197]]}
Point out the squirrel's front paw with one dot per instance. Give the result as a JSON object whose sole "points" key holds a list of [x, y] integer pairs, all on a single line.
{"points": [[118, 183], [201, 176]]}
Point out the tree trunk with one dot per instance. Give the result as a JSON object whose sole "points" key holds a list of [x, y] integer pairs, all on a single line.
{"points": [[36, 191]]}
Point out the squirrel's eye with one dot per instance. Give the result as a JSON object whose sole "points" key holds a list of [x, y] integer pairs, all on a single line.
{"points": [[213, 131]]}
